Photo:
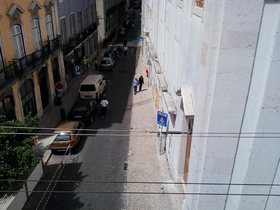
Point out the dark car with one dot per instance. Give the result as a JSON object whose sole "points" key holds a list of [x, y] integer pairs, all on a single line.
{"points": [[83, 110]]}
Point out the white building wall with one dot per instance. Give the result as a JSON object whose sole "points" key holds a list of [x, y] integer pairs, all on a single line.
{"points": [[101, 19], [262, 115], [218, 55]]}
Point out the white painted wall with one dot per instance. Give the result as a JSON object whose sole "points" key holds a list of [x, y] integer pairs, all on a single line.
{"points": [[218, 55]]}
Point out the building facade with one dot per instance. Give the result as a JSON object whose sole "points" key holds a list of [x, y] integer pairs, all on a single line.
{"points": [[110, 14], [213, 66], [78, 28], [30, 57]]}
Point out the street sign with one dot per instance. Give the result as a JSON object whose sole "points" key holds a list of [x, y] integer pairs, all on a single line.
{"points": [[59, 86], [162, 118], [77, 70]]}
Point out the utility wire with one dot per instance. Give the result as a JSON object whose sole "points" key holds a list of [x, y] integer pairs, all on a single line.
{"points": [[147, 134], [144, 193], [145, 182], [143, 130]]}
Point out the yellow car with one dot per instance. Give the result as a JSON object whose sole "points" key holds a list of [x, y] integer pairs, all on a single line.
{"points": [[67, 136]]}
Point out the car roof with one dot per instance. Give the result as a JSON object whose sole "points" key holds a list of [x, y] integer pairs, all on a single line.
{"points": [[90, 79], [66, 126], [84, 102]]}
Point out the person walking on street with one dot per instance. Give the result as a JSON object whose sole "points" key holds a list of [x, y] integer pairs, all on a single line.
{"points": [[125, 49], [104, 104], [135, 84], [85, 63], [96, 64], [141, 82]]}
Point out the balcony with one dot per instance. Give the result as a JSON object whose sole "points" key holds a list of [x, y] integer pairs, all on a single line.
{"points": [[74, 42], [18, 67]]}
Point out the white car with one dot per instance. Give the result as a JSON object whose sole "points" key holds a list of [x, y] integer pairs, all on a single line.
{"points": [[107, 63]]}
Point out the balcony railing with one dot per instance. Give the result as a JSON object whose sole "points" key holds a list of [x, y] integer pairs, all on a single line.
{"points": [[18, 67], [73, 42]]}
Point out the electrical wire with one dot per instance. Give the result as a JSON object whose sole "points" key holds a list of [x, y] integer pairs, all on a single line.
{"points": [[146, 129], [144, 193], [147, 134], [145, 182]]}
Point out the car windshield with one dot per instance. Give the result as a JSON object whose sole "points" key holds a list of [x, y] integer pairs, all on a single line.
{"points": [[105, 62], [80, 109], [63, 137], [87, 88]]}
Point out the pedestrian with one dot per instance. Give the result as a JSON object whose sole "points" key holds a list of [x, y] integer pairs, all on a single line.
{"points": [[96, 64], [125, 49], [85, 63], [104, 104], [132, 26], [135, 84], [141, 82]]}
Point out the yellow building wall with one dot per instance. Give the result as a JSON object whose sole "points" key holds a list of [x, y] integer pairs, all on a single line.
{"points": [[8, 53], [26, 18]]}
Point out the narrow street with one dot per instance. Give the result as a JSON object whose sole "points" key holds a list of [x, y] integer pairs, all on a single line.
{"points": [[101, 158]]}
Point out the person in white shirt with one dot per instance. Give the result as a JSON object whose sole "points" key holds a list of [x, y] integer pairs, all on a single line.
{"points": [[125, 49], [135, 84], [104, 104]]}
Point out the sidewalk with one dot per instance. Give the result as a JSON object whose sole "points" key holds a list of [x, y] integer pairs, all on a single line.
{"points": [[144, 162]]}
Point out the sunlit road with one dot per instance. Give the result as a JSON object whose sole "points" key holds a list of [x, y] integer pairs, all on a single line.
{"points": [[101, 157]]}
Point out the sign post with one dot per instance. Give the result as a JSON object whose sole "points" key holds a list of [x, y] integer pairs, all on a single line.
{"points": [[162, 122]]}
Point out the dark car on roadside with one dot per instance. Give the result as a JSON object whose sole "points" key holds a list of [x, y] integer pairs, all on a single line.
{"points": [[83, 110]]}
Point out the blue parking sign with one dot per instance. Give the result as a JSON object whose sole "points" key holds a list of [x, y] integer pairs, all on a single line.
{"points": [[77, 70], [162, 118]]}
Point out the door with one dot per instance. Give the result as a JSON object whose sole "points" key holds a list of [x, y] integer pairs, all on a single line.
{"points": [[188, 148], [43, 81]]}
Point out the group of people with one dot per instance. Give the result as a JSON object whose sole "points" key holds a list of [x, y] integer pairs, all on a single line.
{"points": [[138, 82]]}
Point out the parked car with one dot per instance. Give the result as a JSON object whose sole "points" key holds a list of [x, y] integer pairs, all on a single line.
{"points": [[107, 63], [67, 136], [83, 110], [92, 87]]}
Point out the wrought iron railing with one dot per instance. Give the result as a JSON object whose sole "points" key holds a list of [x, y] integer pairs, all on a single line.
{"points": [[73, 42], [18, 67]]}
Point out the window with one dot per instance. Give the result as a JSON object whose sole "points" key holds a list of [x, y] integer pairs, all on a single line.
{"points": [[7, 107], [49, 27], [1, 61], [197, 8], [94, 13], [80, 21], [17, 41], [63, 30], [86, 18], [199, 3], [37, 34], [28, 98], [90, 20], [72, 25]]}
